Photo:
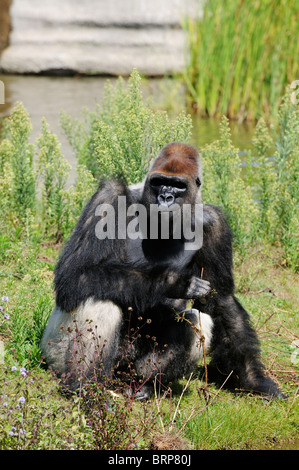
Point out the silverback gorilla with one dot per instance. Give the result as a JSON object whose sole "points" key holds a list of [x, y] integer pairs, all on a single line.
{"points": [[118, 291]]}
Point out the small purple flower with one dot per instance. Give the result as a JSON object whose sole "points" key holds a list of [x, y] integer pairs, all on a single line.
{"points": [[14, 368], [12, 431], [1, 309], [5, 298], [23, 372], [6, 316], [21, 400], [5, 404]]}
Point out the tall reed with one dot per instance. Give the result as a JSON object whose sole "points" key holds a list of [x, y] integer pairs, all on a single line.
{"points": [[242, 54]]}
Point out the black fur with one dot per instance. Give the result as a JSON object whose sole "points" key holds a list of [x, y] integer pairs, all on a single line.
{"points": [[151, 278]]}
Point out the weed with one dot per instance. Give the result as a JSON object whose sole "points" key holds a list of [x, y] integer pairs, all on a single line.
{"points": [[124, 134], [34, 417]]}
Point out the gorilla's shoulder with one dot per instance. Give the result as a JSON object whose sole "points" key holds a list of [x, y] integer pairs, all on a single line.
{"points": [[215, 222], [213, 215], [110, 189], [107, 193]]}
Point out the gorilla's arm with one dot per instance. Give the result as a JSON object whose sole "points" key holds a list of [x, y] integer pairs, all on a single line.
{"points": [[235, 346], [126, 286]]}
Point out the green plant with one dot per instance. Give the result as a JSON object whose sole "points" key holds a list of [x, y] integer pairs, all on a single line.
{"points": [[79, 133], [34, 417], [286, 166], [16, 162], [277, 180], [53, 171], [241, 56], [224, 186], [77, 196], [266, 208], [124, 134], [265, 179], [27, 330]]}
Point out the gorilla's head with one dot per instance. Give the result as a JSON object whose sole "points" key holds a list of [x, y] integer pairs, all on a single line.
{"points": [[174, 177]]}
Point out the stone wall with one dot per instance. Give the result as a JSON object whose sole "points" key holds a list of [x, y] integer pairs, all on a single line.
{"points": [[97, 36]]}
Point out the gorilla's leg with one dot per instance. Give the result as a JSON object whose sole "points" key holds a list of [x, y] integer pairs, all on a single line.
{"points": [[182, 347], [235, 350], [77, 344]]}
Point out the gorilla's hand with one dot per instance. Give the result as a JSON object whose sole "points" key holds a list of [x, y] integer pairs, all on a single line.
{"points": [[197, 288]]}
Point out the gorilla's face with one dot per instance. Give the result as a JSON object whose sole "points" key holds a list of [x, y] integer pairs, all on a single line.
{"points": [[167, 190], [174, 178]]}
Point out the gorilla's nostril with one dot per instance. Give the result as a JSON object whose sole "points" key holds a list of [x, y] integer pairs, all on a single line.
{"points": [[161, 199], [165, 199]]}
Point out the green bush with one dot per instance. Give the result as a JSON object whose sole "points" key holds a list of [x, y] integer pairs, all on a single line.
{"points": [[27, 331], [27, 169], [53, 171], [286, 190], [124, 134], [223, 185], [268, 209], [16, 165]]}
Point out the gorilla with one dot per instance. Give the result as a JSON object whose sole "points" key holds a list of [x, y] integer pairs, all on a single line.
{"points": [[141, 257]]}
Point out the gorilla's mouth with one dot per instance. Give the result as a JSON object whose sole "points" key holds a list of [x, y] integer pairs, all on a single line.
{"points": [[173, 208]]}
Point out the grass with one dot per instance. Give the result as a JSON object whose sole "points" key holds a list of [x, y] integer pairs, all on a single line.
{"points": [[204, 419], [241, 56], [270, 294]]}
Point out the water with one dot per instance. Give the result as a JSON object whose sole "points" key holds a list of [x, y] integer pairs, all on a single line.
{"points": [[45, 96]]}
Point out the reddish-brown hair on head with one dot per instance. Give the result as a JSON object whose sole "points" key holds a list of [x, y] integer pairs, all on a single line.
{"points": [[177, 159]]}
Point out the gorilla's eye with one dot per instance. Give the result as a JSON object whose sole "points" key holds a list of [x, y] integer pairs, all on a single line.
{"points": [[198, 182], [180, 185], [175, 183], [157, 182]]}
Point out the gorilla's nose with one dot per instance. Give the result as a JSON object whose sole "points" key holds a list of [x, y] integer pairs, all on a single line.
{"points": [[165, 199]]}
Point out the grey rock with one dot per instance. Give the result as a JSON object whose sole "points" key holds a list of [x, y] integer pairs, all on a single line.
{"points": [[97, 36]]}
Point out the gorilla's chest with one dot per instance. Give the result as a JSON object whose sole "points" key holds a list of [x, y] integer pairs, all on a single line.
{"points": [[159, 253]]}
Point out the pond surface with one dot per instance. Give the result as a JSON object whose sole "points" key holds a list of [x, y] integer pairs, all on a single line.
{"points": [[45, 96]]}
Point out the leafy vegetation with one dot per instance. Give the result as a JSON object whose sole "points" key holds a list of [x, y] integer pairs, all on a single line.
{"points": [[242, 55], [39, 212], [124, 134], [267, 210]]}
